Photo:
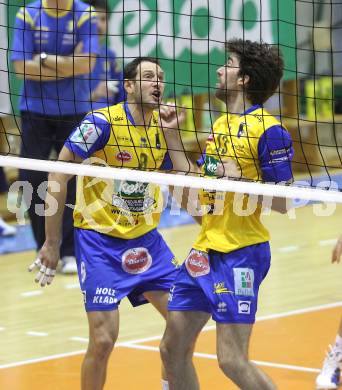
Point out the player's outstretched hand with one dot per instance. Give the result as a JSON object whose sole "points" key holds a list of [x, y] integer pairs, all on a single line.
{"points": [[170, 117], [337, 251], [46, 263]]}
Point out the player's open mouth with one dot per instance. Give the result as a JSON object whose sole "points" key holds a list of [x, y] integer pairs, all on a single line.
{"points": [[156, 94]]}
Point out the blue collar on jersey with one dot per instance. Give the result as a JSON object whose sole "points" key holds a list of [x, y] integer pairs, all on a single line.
{"points": [[128, 113], [250, 109]]}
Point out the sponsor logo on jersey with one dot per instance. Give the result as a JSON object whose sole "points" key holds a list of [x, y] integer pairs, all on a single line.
{"points": [[86, 135], [136, 261], [197, 263], [132, 188], [210, 165], [123, 156], [244, 307], [244, 281]]}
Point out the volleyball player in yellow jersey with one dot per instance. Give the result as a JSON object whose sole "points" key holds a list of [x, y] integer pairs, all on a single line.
{"points": [[119, 252], [222, 273]]}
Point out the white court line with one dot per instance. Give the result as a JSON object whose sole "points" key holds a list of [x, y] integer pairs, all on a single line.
{"points": [[72, 286], [123, 344], [327, 242], [31, 293], [214, 357], [37, 334], [79, 339]]}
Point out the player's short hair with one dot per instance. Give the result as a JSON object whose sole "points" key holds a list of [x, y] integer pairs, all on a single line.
{"points": [[99, 4], [264, 65], [131, 69]]}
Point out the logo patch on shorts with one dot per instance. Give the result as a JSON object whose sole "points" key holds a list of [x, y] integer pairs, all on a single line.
{"points": [[220, 288], [124, 156], [244, 307], [244, 281], [222, 307], [197, 263], [136, 260]]}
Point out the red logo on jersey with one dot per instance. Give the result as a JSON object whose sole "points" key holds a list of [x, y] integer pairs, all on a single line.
{"points": [[136, 260], [197, 263], [124, 156]]}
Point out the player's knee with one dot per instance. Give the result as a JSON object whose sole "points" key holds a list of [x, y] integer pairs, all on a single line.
{"points": [[172, 349], [231, 365], [165, 349], [101, 345]]}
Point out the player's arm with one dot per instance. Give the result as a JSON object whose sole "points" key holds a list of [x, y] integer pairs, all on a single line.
{"points": [[74, 65], [275, 152], [83, 60], [49, 253], [34, 70], [57, 188], [171, 122], [26, 65], [91, 135]]}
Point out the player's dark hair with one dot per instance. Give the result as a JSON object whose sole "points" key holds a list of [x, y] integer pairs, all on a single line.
{"points": [[100, 4], [131, 69], [264, 65]]}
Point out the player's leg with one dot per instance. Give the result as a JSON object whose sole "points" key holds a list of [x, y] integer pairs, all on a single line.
{"points": [[189, 311], [99, 272], [159, 300], [177, 346], [236, 278], [232, 354], [103, 333]]}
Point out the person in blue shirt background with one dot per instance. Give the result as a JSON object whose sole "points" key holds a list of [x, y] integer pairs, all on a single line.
{"points": [[106, 82], [54, 49]]}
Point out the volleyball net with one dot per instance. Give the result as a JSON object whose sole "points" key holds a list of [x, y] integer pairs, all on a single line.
{"points": [[188, 38]]}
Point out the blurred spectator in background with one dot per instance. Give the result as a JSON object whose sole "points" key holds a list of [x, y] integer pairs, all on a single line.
{"points": [[55, 43], [106, 79]]}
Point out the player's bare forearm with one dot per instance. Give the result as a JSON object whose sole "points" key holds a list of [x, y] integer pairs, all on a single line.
{"points": [[34, 70], [57, 191], [69, 66]]}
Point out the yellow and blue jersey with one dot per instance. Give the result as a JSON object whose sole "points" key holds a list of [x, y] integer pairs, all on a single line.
{"points": [[123, 209], [262, 149], [38, 29]]}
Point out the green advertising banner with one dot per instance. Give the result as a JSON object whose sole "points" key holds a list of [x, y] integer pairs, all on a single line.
{"points": [[189, 35]]}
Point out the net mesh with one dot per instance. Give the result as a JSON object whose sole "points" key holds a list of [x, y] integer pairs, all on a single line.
{"points": [[188, 38]]}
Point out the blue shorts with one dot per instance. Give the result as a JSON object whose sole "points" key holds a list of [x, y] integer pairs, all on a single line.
{"points": [[226, 285], [109, 268]]}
